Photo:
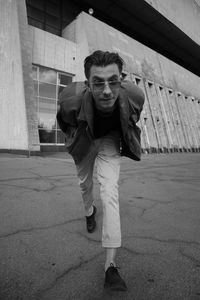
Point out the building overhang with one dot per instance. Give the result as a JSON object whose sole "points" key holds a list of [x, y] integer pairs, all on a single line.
{"points": [[145, 24]]}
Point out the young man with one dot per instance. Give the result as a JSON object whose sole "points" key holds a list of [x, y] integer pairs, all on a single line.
{"points": [[99, 120]]}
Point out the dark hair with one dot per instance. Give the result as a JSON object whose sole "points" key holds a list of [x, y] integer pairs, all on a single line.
{"points": [[102, 58]]}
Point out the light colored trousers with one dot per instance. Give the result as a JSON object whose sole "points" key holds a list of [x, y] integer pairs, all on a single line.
{"points": [[105, 153]]}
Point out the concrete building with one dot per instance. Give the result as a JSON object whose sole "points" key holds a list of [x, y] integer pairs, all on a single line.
{"points": [[42, 47]]}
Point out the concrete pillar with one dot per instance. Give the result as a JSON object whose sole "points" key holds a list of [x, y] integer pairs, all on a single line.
{"points": [[15, 92], [26, 54]]}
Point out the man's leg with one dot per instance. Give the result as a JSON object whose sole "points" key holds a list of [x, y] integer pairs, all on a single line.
{"points": [[108, 169], [85, 175]]}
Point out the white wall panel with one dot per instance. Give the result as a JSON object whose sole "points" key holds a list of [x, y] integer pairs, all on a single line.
{"points": [[53, 51], [13, 121]]}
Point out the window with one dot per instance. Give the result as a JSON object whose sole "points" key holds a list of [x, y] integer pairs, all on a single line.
{"points": [[48, 84], [51, 15]]}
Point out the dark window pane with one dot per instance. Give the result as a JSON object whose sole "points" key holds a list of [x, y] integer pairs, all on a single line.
{"points": [[36, 3], [47, 90], [53, 30], [52, 21], [47, 75], [57, 2], [60, 137], [35, 23], [53, 9], [70, 12], [35, 13], [64, 79], [47, 136]]}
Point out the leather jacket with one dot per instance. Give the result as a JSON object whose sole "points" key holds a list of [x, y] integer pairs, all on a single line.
{"points": [[75, 118]]}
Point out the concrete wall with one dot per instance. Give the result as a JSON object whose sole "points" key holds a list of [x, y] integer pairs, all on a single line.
{"points": [[30, 103], [171, 116], [13, 120], [139, 59], [52, 51], [185, 14], [76, 33]]}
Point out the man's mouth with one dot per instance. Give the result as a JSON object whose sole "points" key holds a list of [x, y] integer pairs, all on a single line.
{"points": [[106, 99]]}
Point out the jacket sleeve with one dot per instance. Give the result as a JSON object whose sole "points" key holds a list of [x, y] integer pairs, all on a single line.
{"points": [[63, 125], [136, 101], [136, 107], [131, 144], [70, 103]]}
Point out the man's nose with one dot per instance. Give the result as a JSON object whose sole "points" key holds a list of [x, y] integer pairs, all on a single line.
{"points": [[107, 89]]}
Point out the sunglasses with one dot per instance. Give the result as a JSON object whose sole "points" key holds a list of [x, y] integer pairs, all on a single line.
{"points": [[100, 85]]}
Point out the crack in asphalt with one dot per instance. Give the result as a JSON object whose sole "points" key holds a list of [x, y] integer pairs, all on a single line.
{"points": [[168, 241], [190, 257], [50, 189], [37, 176], [19, 231], [65, 273], [136, 253]]}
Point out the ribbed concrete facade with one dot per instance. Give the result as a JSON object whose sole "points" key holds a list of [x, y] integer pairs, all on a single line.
{"points": [[170, 120]]}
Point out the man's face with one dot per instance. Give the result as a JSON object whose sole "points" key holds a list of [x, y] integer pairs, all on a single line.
{"points": [[104, 83]]}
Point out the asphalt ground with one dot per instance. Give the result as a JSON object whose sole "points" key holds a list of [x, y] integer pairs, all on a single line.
{"points": [[46, 253]]}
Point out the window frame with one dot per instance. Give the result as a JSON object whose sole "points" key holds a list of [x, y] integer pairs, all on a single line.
{"points": [[37, 82]]}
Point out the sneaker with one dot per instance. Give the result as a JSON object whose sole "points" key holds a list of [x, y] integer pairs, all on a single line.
{"points": [[113, 280], [90, 221]]}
